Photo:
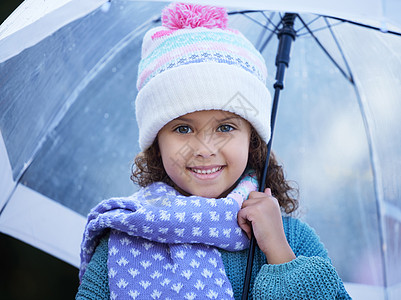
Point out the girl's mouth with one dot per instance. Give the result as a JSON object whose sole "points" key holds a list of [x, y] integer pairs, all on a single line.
{"points": [[206, 170]]}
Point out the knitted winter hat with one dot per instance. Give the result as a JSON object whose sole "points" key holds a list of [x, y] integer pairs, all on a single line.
{"points": [[194, 62]]}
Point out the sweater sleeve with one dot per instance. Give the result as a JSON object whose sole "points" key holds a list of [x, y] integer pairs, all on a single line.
{"points": [[95, 283], [310, 276]]}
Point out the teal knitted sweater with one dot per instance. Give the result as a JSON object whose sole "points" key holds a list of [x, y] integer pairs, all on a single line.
{"points": [[310, 276]]}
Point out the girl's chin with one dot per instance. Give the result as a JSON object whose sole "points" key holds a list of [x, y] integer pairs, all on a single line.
{"points": [[205, 193]]}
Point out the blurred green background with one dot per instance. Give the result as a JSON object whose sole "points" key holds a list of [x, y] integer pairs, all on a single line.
{"points": [[26, 272]]}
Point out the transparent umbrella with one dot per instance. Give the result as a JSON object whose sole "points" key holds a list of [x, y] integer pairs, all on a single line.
{"points": [[68, 133]]}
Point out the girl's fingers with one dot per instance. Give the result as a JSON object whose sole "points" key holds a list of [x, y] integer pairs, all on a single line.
{"points": [[255, 197], [259, 214], [268, 191], [244, 224]]}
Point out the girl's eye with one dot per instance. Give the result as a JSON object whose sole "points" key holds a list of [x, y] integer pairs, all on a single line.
{"points": [[225, 128], [183, 129]]}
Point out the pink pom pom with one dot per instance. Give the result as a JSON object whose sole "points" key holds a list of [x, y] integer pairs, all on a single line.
{"points": [[182, 15]]}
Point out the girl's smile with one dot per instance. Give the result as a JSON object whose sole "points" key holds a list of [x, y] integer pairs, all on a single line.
{"points": [[206, 170], [205, 152]]}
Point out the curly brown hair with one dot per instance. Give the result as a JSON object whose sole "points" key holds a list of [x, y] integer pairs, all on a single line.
{"points": [[148, 168]]}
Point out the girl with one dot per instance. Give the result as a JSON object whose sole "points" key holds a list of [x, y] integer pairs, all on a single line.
{"points": [[202, 111]]}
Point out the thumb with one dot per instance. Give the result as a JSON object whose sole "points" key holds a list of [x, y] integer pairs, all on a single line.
{"points": [[268, 191]]}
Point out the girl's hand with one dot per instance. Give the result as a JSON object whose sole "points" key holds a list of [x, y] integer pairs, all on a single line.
{"points": [[261, 212]]}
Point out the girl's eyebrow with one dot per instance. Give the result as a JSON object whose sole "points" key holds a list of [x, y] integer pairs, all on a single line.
{"points": [[228, 118], [182, 119]]}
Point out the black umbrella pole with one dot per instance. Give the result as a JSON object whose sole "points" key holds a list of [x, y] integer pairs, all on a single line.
{"points": [[286, 36]]}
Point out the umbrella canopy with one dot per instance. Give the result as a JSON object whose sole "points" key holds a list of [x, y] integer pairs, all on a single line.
{"points": [[68, 131]]}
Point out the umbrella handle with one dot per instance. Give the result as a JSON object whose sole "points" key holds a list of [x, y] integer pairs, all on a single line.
{"points": [[286, 36]]}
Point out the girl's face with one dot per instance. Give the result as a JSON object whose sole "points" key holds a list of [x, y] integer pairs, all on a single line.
{"points": [[205, 152]]}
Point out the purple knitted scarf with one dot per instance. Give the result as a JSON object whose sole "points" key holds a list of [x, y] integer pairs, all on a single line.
{"points": [[163, 245]]}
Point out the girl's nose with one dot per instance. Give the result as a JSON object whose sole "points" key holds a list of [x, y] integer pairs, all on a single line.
{"points": [[204, 146]]}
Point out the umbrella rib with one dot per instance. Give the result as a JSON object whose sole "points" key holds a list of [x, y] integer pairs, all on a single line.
{"points": [[260, 38], [8, 198], [367, 26], [348, 77], [244, 13], [317, 29], [340, 49], [309, 23], [377, 187], [262, 33], [270, 37], [269, 19], [374, 169]]}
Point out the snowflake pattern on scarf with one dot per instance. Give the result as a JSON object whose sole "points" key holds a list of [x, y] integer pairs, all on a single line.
{"points": [[163, 245]]}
